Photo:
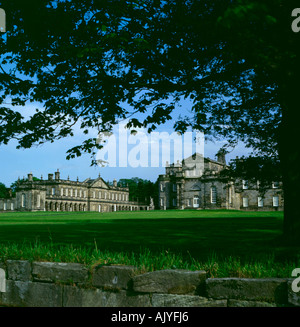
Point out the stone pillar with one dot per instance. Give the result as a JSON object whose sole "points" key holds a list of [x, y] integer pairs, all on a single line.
{"points": [[57, 175]]}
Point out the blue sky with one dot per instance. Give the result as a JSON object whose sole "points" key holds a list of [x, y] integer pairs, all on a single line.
{"points": [[49, 157]]}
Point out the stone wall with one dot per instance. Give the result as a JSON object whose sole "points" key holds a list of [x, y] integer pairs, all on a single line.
{"points": [[46, 284]]}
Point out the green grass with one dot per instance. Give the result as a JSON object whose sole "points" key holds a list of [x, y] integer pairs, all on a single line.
{"points": [[224, 243]]}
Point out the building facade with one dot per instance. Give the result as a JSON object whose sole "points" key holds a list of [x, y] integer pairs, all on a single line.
{"points": [[197, 183], [56, 194]]}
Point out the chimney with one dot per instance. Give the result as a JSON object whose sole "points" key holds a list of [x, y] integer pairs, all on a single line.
{"points": [[50, 177], [221, 157], [115, 183], [30, 177], [57, 175]]}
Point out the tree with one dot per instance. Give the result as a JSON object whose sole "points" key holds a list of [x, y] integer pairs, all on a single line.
{"points": [[86, 61], [141, 190], [4, 192], [16, 184]]}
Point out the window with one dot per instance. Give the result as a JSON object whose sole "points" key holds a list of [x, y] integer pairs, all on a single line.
{"points": [[80, 193], [5, 206], [38, 201], [94, 195], [161, 187], [61, 191], [245, 185], [71, 192], [76, 193], [188, 202], [112, 196], [23, 201], [12, 206], [99, 194], [245, 202], [53, 191], [196, 201], [174, 188], [105, 195], [230, 195], [84, 194], [67, 192], [260, 202], [213, 195], [275, 201], [174, 202]]}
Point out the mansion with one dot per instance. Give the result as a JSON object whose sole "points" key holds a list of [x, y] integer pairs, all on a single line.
{"points": [[56, 194], [197, 183]]}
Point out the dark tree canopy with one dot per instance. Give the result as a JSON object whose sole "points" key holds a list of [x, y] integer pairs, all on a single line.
{"points": [[4, 191], [84, 60], [88, 62]]}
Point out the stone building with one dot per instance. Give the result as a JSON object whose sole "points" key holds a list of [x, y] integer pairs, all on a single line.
{"points": [[196, 183], [56, 194]]}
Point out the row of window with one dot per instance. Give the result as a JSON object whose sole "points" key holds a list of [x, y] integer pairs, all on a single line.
{"points": [[95, 194], [9, 206], [260, 202], [196, 200], [245, 184]]}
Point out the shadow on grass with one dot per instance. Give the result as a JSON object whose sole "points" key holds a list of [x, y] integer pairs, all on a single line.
{"points": [[244, 237]]}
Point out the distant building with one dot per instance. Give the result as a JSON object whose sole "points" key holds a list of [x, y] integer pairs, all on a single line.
{"points": [[196, 183], [56, 194]]}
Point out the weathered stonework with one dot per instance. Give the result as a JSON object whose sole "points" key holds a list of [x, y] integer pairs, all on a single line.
{"points": [[293, 297], [197, 183], [47, 284], [62, 272], [268, 289], [113, 277], [170, 281], [172, 300], [18, 270]]}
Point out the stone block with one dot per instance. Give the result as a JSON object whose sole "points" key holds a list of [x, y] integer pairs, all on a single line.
{"points": [[74, 296], [80, 297], [264, 289], [170, 282], [175, 300], [30, 294], [18, 270], [113, 277], [243, 303], [293, 297], [58, 271]]}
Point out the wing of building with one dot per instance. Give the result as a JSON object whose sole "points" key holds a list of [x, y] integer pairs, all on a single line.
{"points": [[56, 194], [197, 183]]}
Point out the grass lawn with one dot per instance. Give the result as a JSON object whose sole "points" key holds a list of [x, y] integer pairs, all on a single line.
{"points": [[209, 237]]}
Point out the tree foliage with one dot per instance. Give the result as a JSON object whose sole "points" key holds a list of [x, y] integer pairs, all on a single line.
{"points": [[141, 190], [4, 191], [84, 61]]}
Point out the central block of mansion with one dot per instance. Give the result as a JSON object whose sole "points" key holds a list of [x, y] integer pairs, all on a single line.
{"points": [[196, 183], [56, 194]]}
